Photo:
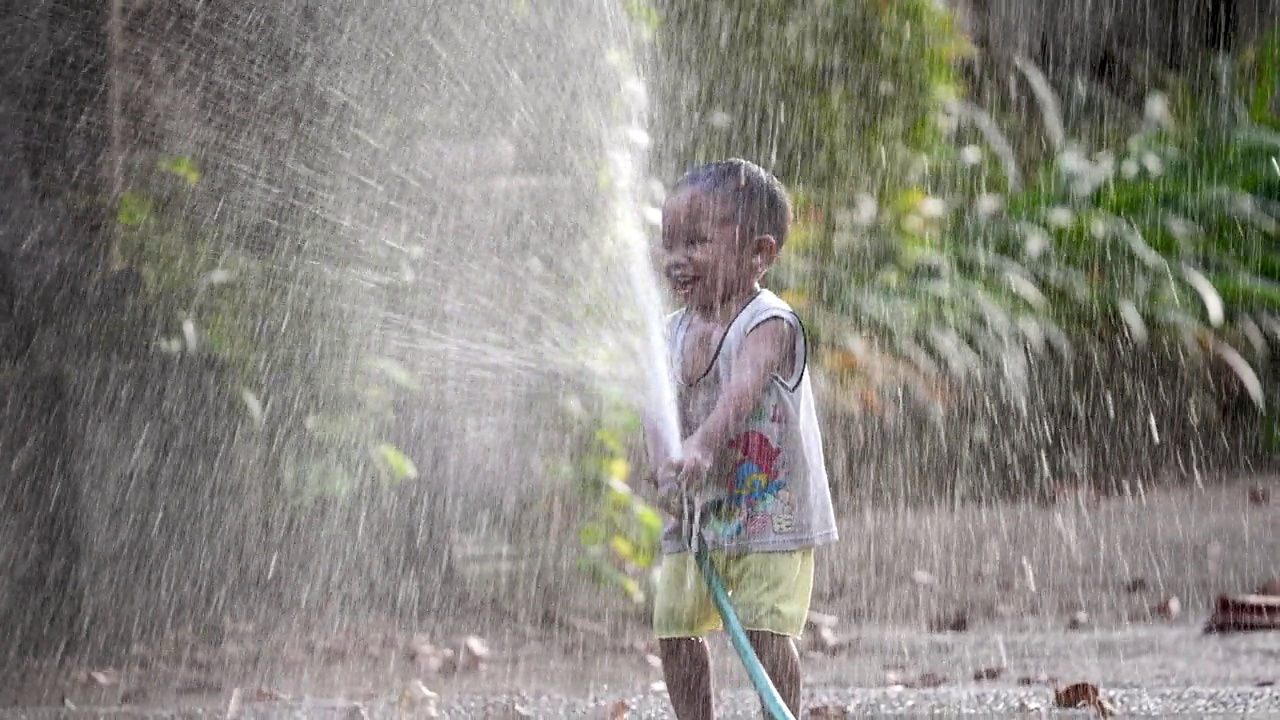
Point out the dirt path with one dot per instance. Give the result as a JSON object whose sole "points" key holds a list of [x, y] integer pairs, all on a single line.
{"points": [[1016, 577]]}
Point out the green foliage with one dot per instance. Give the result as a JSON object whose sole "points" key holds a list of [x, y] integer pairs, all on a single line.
{"points": [[838, 96], [619, 532], [644, 15], [200, 288], [204, 293], [1259, 75], [847, 101], [340, 445], [1173, 235]]}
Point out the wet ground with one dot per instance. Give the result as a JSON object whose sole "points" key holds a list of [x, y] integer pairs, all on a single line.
{"points": [[1039, 596]]}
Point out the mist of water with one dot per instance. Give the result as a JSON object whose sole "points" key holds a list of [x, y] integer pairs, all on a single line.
{"points": [[423, 186]]}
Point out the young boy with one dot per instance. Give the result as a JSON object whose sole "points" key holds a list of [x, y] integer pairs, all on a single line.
{"points": [[751, 460]]}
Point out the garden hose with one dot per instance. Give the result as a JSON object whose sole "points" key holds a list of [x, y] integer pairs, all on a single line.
{"points": [[773, 703]]}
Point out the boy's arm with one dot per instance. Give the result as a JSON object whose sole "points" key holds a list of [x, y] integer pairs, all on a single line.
{"points": [[768, 349]]}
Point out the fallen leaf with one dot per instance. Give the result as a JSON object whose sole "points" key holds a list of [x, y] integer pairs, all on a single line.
{"points": [[474, 652], [1170, 609], [426, 657], [233, 705], [621, 710], [1083, 695], [822, 639], [921, 577], [416, 691], [418, 646], [1029, 706], [444, 661], [828, 712], [1237, 613], [476, 647], [988, 673], [266, 694], [645, 647], [105, 678], [418, 699]]}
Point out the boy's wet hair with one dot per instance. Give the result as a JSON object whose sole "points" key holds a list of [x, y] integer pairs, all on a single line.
{"points": [[762, 203]]}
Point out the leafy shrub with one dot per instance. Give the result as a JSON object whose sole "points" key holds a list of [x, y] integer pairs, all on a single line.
{"points": [[205, 294], [1171, 236], [619, 532], [834, 96]]}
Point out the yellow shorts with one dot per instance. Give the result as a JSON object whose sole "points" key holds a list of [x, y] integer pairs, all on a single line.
{"points": [[769, 591]]}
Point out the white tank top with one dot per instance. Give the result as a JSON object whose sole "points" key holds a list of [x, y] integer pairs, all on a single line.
{"points": [[767, 490]]}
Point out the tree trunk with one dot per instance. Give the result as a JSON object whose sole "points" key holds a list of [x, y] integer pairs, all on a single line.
{"points": [[51, 232]]}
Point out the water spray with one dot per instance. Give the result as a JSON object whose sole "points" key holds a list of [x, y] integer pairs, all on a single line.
{"points": [[660, 385]]}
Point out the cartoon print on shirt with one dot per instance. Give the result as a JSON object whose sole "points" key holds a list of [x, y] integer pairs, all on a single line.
{"points": [[757, 502]]}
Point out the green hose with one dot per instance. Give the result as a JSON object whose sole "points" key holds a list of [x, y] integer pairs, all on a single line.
{"points": [[773, 703]]}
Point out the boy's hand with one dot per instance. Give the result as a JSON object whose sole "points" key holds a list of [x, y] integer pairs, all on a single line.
{"points": [[690, 469], [669, 499]]}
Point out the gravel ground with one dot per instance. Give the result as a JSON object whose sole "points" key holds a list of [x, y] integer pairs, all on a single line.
{"points": [[1218, 702], [1142, 671], [740, 703], [1017, 574]]}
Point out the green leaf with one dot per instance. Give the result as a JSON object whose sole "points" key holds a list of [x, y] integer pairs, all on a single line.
{"points": [[649, 519], [395, 463], [1243, 370], [134, 209], [394, 371], [183, 167], [252, 405], [1213, 306], [624, 548]]}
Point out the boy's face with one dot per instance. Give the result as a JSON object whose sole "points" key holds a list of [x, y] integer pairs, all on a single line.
{"points": [[708, 260]]}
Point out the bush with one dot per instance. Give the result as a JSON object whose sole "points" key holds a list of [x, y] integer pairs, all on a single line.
{"points": [[204, 294], [833, 96]]}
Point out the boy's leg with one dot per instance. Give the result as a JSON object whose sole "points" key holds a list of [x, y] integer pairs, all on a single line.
{"points": [[686, 668], [779, 657], [682, 617], [771, 593]]}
